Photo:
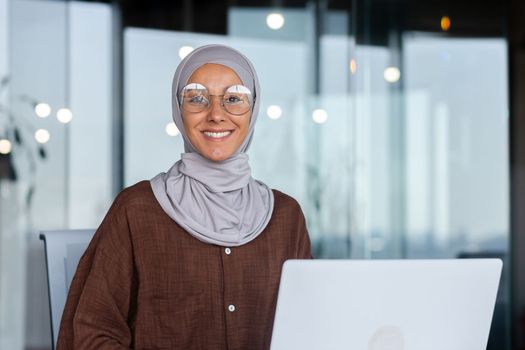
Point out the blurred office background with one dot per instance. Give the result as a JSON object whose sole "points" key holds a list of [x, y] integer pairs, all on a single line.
{"points": [[395, 123]]}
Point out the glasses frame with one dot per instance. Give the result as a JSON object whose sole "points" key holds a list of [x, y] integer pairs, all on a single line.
{"points": [[251, 101]]}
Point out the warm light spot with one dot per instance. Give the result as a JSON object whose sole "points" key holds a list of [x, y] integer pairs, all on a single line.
{"points": [[64, 115], [42, 110], [275, 21], [171, 129], [5, 146], [319, 116], [42, 136], [274, 112], [445, 23], [353, 66], [392, 74]]}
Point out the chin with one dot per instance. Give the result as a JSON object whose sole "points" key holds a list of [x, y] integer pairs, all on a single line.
{"points": [[217, 155]]}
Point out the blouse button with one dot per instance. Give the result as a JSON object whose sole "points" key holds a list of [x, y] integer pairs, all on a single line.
{"points": [[231, 308], [228, 251]]}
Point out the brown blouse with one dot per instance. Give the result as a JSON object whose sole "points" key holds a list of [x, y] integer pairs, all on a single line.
{"points": [[144, 283]]}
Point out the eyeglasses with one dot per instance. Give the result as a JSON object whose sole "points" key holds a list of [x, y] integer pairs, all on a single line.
{"points": [[195, 98]]}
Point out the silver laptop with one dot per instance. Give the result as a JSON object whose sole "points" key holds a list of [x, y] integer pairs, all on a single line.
{"points": [[386, 304]]}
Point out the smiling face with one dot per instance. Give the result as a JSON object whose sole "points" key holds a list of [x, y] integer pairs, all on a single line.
{"points": [[215, 133]]}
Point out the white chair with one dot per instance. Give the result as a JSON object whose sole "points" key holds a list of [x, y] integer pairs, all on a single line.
{"points": [[63, 252]]}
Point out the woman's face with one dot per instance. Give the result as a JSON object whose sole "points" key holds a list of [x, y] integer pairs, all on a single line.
{"points": [[215, 133]]}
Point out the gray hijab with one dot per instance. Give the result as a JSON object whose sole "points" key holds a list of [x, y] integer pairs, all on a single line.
{"points": [[216, 202]]}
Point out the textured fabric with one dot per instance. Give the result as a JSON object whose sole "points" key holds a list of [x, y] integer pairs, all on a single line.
{"points": [[192, 192], [226, 211], [144, 283]]}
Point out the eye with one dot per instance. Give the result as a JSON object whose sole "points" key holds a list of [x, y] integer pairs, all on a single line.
{"points": [[197, 99], [232, 99]]}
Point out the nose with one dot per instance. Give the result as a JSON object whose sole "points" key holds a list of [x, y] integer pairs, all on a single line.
{"points": [[216, 113]]}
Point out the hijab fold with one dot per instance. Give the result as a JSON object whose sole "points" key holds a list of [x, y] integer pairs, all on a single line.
{"points": [[216, 202]]}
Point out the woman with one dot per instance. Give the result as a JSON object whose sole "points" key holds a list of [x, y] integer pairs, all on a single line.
{"points": [[192, 258]]}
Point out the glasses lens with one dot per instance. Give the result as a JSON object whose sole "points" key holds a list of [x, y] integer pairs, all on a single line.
{"points": [[194, 98], [237, 99]]}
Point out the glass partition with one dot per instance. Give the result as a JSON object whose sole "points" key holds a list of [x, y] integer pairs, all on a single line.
{"points": [[55, 104], [34, 196], [431, 114]]}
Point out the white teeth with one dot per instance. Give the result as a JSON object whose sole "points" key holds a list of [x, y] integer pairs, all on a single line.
{"points": [[217, 135]]}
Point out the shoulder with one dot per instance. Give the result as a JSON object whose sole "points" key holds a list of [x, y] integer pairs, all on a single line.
{"points": [[135, 195], [285, 202], [129, 203], [114, 233]]}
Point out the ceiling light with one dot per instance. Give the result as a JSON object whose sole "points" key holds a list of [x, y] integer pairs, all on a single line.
{"points": [[42, 110], [64, 115], [184, 51], [319, 116], [275, 21], [5, 146], [392, 74], [274, 112], [171, 129], [42, 136]]}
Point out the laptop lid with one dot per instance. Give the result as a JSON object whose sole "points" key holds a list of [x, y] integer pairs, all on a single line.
{"points": [[386, 304]]}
